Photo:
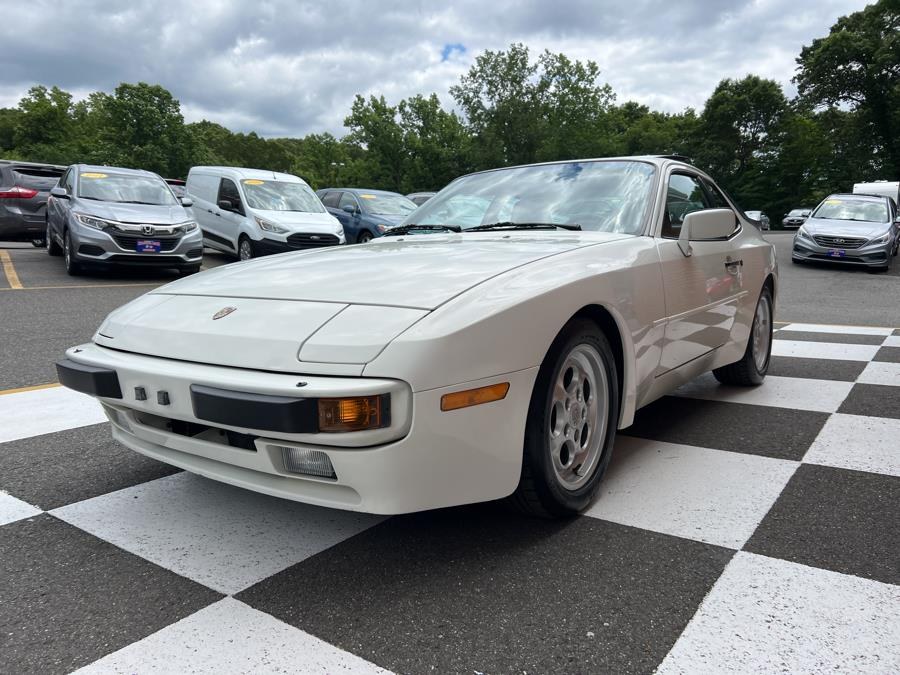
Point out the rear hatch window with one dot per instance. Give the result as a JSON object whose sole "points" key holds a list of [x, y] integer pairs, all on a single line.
{"points": [[39, 178]]}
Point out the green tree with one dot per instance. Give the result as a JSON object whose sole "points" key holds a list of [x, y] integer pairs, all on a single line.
{"points": [[141, 126], [435, 142], [374, 127], [44, 131], [858, 65], [9, 118]]}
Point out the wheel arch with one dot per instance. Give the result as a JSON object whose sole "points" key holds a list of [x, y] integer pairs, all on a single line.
{"points": [[613, 328]]}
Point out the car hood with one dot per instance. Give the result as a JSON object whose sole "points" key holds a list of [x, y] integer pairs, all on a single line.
{"points": [[294, 218], [133, 213], [388, 219], [844, 228], [417, 271]]}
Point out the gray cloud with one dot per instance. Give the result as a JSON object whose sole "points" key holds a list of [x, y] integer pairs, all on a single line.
{"points": [[289, 68]]}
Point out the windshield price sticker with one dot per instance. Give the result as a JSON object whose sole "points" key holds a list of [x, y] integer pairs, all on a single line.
{"points": [[93, 174], [253, 181], [368, 197]]}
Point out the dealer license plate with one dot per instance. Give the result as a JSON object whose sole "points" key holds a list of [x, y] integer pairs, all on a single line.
{"points": [[148, 246], [837, 252]]}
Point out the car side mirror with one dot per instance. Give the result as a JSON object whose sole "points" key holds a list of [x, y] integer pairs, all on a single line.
{"points": [[187, 201], [349, 208], [59, 192], [706, 225], [226, 205]]}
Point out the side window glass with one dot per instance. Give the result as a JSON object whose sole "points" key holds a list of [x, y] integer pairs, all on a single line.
{"points": [[348, 199], [331, 199], [228, 190], [716, 198], [68, 181], [684, 195]]}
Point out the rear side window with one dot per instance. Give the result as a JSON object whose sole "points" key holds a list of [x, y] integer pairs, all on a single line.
{"points": [[331, 199], [203, 186], [36, 177]]}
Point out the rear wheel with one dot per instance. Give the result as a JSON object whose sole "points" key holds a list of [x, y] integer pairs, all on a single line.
{"points": [[245, 248], [52, 247], [571, 424], [72, 267], [752, 368]]}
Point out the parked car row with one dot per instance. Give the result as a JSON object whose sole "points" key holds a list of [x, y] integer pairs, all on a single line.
{"points": [[24, 188]]}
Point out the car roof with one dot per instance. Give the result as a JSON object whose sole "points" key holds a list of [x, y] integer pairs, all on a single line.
{"points": [[659, 161], [113, 169], [41, 165], [240, 172], [357, 191], [857, 196]]}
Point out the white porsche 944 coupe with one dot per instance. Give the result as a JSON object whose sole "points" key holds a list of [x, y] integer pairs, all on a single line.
{"points": [[489, 347]]}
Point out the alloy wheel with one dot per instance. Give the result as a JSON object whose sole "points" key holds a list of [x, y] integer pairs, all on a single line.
{"points": [[245, 250], [762, 332], [577, 417]]}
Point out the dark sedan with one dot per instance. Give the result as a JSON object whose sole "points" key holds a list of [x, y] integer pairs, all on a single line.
{"points": [[365, 214], [795, 218]]}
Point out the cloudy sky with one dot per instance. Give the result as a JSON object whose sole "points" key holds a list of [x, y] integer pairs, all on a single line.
{"points": [[291, 67]]}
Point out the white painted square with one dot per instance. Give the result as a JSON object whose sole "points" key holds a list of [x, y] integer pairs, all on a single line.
{"points": [[712, 496], [13, 509], [796, 393], [823, 350], [892, 341], [859, 443], [219, 535], [765, 615], [878, 372], [43, 411], [230, 637], [845, 330]]}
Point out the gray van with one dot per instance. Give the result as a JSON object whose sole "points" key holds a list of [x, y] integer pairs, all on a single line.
{"points": [[103, 215]]}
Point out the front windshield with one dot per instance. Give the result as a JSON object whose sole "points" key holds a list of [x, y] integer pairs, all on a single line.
{"points": [[603, 196], [798, 212], [381, 204], [125, 188], [852, 209], [279, 195]]}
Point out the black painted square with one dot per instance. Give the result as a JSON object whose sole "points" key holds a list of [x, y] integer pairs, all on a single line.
{"points": [[875, 400], [470, 590], [841, 338], [72, 465], [68, 598], [841, 520], [816, 369], [888, 355], [759, 430]]}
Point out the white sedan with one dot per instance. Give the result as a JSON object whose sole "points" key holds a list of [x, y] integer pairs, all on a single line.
{"points": [[487, 348]]}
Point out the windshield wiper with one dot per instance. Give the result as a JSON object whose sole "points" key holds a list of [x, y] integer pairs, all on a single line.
{"points": [[412, 227], [135, 201], [508, 225]]}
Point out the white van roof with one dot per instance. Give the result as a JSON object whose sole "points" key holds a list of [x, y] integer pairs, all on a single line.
{"points": [[883, 188], [240, 173]]}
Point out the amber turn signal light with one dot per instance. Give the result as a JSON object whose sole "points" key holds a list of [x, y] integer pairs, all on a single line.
{"points": [[470, 397], [353, 414]]}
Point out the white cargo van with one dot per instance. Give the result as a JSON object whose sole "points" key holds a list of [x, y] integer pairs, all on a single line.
{"points": [[880, 188], [252, 212]]}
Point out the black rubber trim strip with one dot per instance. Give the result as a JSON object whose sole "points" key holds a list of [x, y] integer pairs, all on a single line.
{"points": [[92, 380], [255, 411]]}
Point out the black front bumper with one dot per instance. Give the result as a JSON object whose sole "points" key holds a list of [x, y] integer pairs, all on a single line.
{"points": [[91, 380]]}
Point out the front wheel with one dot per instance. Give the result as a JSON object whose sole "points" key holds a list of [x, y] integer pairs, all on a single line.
{"points": [[245, 248], [72, 267], [571, 424], [364, 237], [753, 366]]}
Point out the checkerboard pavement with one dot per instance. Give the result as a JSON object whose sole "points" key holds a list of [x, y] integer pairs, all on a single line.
{"points": [[738, 530]]}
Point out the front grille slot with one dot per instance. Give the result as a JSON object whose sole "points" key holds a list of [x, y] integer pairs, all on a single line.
{"points": [[311, 240], [839, 242], [201, 432], [167, 242]]}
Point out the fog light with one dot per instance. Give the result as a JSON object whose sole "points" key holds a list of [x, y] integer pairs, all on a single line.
{"points": [[307, 462], [470, 397], [354, 414]]}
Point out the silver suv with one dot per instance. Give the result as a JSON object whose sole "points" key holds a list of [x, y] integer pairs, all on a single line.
{"points": [[101, 215]]}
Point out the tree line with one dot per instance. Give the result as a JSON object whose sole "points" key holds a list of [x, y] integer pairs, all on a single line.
{"points": [[769, 151]]}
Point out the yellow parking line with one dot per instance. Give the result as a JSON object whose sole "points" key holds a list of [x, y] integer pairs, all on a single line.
{"points": [[50, 288], [10, 271], [34, 387]]}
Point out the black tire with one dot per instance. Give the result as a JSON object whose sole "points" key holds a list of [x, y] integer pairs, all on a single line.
{"points": [[364, 237], [245, 245], [748, 372], [540, 491], [52, 247], [73, 268]]}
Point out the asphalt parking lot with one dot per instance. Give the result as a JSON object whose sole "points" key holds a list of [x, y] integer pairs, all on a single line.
{"points": [[740, 530]]}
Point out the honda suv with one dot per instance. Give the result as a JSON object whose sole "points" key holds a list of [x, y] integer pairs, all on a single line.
{"points": [[100, 215], [24, 187]]}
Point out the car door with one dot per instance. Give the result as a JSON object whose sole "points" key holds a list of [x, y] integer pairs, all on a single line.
{"points": [[57, 209], [227, 222], [350, 221], [702, 290]]}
